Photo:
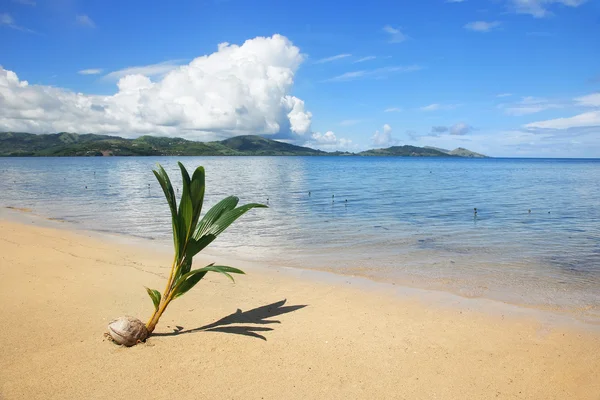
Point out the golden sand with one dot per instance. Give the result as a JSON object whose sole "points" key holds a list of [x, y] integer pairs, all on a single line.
{"points": [[272, 335]]}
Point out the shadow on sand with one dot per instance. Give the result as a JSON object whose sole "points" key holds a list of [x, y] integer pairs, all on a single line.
{"points": [[257, 316]]}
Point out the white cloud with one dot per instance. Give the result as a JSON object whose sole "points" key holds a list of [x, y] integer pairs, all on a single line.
{"points": [[348, 76], [529, 105], [576, 142], [236, 90], [350, 122], [90, 71], [437, 107], [504, 95], [539, 8], [393, 109], [151, 70], [431, 107], [384, 138], [329, 141], [436, 130], [587, 119], [590, 119], [591, 100], [326, 138], [8, 21], [332, 58], [460, 129], [363, 59], [482, 26], [84, 20], [377, 73], [395, 35]]}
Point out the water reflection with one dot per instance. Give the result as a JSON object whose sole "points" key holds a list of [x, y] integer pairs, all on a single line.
{"points": [[403, 217]]}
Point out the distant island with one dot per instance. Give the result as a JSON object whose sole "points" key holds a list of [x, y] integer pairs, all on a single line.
{"points": [[65, 144]]}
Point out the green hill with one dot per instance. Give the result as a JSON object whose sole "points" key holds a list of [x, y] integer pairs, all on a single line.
{"points": [[260, 146], [459, 151], [72, 144], [405, 151], [462, 152]]}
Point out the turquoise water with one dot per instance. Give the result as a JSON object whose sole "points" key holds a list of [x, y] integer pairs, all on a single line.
{"points": [[407, 220]]}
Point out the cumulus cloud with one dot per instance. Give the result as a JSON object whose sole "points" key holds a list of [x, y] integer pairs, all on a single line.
{"points": [[239, 89], [151, 70], [85, 20], [395, 34], [539, 8], [482, 26], [435, 130], [384, 138], [458, 129], [329, 141]]}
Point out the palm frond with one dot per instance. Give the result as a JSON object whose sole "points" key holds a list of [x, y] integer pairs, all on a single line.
{"points": [[192, 234]]}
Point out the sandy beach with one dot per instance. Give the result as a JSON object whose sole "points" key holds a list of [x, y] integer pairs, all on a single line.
{"points": [[274, 334]]}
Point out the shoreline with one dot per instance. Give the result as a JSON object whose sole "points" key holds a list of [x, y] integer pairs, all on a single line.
{"points": [[401, 286], [295, 335]]}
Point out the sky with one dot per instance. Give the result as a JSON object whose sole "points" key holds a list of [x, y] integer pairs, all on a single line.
{"points": [[507, 78]]}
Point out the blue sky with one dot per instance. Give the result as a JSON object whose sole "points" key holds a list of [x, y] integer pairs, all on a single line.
{"points": [[503, 77]]}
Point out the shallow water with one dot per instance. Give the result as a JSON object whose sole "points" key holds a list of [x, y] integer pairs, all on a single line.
{"points": [[408, 220]]}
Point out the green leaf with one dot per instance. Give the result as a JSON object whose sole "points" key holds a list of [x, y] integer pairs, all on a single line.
{"points": [[185, 267], [186, 207], [228, 203], [165, 183], [222, 215], [228, 217], [195, 246], [189, 283], [155, 296], [189, 280], [197, 189], [222, 269]]}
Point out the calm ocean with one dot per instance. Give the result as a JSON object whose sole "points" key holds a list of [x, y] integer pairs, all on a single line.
{"points": [[406, 220]]}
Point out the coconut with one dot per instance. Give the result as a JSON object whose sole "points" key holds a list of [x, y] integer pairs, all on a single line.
{"points": [[127, 331]]}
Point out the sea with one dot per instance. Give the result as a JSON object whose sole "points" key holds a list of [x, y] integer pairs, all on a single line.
{"points": [[521, 231]]}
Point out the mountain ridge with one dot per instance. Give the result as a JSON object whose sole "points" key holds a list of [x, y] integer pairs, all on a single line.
{"points": [[459, 151], [64, 144]]}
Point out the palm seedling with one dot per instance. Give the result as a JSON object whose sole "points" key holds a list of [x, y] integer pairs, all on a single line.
{"points": [[190, 235]]}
